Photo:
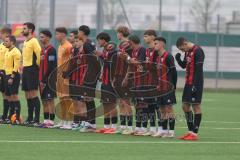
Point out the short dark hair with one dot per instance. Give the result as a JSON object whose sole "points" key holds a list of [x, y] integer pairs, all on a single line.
{"points": [[12, 39], [134, 38], [104, 36], [180, 41], [85, 29], [162, 39], [62, 30], [124, 30], [6, 30], [30, 25], [150, 32], [47, 33], [75, 32]]}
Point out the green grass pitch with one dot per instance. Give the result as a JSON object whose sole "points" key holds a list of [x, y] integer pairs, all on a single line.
{"points": [[219, 138]]}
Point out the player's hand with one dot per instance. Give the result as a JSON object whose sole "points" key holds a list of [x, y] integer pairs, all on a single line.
{"points": [[65, 75], [125, 82], [114, 82], [10, 81], [147, 59], [178, 56]]}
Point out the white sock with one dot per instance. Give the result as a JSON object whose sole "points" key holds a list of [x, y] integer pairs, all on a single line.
{"points": [[160, 129], [122, 127], [137, 129], [171, 131], [153, 129], [106, 126], [94, 126], [130, 128], [114, 126]]}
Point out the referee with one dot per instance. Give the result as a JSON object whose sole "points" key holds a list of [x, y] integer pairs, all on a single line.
{"points": [[31, 60]]}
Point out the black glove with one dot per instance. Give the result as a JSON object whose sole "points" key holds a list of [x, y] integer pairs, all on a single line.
{"points": [[178, 56]]}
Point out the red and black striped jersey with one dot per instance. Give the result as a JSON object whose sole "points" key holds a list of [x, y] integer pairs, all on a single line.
{"points": [[166, 70], [48, 62]]}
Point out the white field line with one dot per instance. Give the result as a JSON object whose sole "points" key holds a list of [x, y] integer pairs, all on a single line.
{"points": [[121, 142]]}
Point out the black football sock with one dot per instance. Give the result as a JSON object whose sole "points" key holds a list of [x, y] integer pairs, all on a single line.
{"points": [[160, 121], [165, 124], [123, 120], [138, 117], [11, 110], [5, 109], [171, 123], [189, 119], [130, 120], [30, 110], [17, 106], [76, 119], [91, 111], [152, 115], [114, 120], [144, 116], [36, 104], [52, 116], [106, 121], [46, 115], [197, 122]]}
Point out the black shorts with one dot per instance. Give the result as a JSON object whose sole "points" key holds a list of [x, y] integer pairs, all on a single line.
{"points": [[12, 89], [30, 78], [108, 94], [192, 95], [2, 77], [73, 93], [47, 93], [166, 100]]}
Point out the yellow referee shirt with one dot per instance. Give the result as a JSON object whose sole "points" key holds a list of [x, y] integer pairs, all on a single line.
{"points": [[12, 61], [31, 52], [3, 50]]}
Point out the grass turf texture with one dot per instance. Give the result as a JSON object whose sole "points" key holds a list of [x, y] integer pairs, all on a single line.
{"points": [[219, 133]]}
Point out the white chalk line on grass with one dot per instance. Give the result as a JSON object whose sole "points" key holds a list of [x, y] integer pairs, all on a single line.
{"points": [[122, 142], [213, 128]]}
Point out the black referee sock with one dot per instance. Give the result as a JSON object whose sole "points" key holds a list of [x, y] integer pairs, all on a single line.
{"points": [[189, 119], [46, 115], [17, 107], [152, 115], [5, 109], [30, 110], [91, 111], [130, 120], [171, 123], [36, 105], [52, 116], [11, 110], [123, 120], [165, 124], [197, 122], [138, 117]]}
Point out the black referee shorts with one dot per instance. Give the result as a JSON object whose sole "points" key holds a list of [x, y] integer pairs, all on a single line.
{"points": [[2, 77], [12, 89], [30, 78]]}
